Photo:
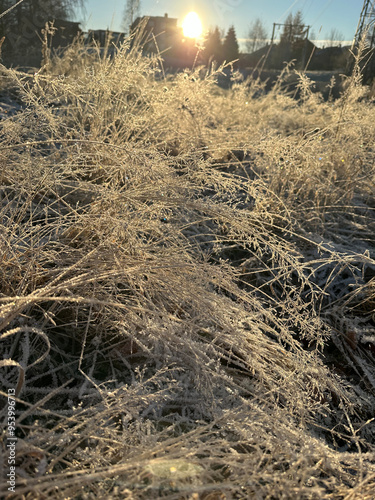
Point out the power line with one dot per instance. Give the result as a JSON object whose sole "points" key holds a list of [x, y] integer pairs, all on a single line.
{"points": [[327, 4], [287, 10]]}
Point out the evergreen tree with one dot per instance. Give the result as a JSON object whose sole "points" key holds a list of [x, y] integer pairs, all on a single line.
{"points": [[293, 28], [230, 46], [298, 27], [286, 35], [293, 41], [213, 47]]}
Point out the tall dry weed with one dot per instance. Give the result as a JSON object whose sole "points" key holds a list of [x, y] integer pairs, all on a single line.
{"points": [[182, 269]]}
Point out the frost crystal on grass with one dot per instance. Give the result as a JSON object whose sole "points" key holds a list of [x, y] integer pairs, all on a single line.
{"points": [[187, 289]]}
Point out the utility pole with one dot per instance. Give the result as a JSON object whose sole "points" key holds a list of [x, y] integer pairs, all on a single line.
{"points": [[303, 30], [273, 31]]}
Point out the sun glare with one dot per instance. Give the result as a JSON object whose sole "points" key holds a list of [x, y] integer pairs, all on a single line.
{"points": [[192, 25]]}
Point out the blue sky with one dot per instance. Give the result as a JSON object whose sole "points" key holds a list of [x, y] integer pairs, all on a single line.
{"points": [[322, 15]]}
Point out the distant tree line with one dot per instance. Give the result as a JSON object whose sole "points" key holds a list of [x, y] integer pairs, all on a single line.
{"points": [[291, 43], [220, 48]]}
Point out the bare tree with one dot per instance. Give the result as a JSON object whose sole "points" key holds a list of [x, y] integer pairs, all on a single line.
{"points": [[22, 24], [257, 36], [131, 12], [334, 38], [312, 36], [62, 9]]}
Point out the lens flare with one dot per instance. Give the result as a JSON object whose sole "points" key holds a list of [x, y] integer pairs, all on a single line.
{"points": [[192, 25]]}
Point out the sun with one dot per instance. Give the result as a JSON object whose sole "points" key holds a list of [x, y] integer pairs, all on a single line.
{"points": [[192, 25]]}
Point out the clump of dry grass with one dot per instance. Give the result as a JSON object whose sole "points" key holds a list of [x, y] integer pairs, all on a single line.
{"points": [[182, 273]]}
